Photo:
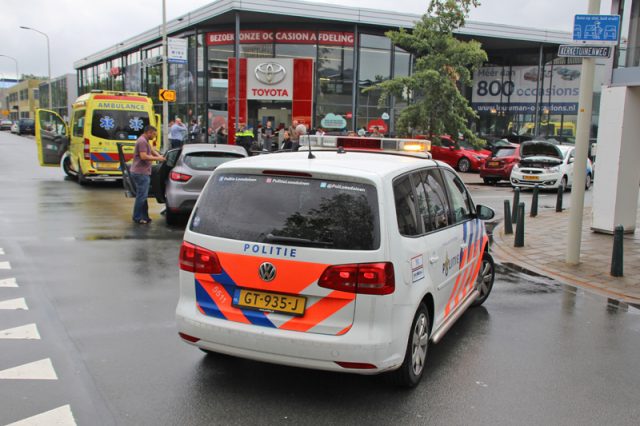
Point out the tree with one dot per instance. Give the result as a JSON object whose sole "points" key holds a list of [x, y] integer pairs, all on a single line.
{"points": [[443, 66]]}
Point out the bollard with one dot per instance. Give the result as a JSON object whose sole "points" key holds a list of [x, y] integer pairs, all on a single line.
{"points": [[508, 227], [519, 240], [534, 201], [516, 201], [559, 199], [617, 255]]}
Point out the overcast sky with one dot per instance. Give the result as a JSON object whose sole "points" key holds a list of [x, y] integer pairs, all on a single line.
{"points": [[78, 28]]}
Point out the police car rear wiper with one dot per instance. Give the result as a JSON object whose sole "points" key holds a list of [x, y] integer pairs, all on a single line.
{"points": [[270, 238]]}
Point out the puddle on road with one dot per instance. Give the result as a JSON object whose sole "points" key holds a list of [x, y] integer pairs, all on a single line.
{"points": [[528, 282]]}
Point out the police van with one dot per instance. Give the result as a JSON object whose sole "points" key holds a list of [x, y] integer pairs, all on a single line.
{"points": [[86, 148], [349, 260]]}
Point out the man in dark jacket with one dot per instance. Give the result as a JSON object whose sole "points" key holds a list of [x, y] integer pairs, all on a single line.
{"points": [[244, 138]]}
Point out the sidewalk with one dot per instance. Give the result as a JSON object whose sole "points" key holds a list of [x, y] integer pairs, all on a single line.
{"points": [[545, 250]]}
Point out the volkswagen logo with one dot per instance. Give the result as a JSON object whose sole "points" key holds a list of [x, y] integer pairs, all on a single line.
{"points": [[267, 271], [270, 73]]}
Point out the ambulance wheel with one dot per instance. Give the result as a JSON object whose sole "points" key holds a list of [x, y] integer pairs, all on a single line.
{"points": [[485, 278], [65, 164], [412, 368]]}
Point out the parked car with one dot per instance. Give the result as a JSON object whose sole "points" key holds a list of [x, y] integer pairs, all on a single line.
{"points": [[178, 181], [5, 124], [498, 166], [14, 128], [494, 143], [459, 154], [26, 126], [547, 165]]}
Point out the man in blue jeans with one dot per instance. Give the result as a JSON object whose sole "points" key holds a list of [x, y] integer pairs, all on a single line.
{"points": [[143, 155]]}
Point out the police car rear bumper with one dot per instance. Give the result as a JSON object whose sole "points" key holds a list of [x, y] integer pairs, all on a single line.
{"points": [[293, 348]]}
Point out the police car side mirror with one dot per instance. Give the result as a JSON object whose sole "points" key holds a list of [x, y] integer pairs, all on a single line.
{"points": [[484, 212]]}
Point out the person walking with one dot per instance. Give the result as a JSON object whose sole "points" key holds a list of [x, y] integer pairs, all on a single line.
{"points": [[143, 155], [177, 134]]}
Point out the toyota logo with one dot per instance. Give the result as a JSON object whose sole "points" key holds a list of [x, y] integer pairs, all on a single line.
{"points": [[270, 73], [267, 271]]}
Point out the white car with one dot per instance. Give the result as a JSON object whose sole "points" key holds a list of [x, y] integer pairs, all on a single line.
{"points": [[15, 128], [343, 261], [547, 165]]}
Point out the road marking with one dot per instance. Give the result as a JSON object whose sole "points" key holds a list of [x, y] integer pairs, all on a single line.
{"points": [[8, 282], [37, 370], [5, 265], [61, 416], [18, 303], [29, 331]]}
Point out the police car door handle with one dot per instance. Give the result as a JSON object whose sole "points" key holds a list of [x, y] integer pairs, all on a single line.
{"points": [[433, 259]]}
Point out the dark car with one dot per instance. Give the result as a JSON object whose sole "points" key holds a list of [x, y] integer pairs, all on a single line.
{"points": [[498, 166], [26, 126]]}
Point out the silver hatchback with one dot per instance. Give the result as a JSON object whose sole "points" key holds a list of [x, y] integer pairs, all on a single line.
{"points": [[179, 180]]}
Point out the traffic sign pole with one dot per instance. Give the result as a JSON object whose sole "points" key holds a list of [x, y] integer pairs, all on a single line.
{"points": [[165, 79], [585, 104]]}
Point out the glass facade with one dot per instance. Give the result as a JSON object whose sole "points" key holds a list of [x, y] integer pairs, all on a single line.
{"points": [[342, 77]]}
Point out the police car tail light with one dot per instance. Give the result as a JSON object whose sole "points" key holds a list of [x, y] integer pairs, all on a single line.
{"points": [[179, 177], [363, 278], [87, 146], [198, 260]]}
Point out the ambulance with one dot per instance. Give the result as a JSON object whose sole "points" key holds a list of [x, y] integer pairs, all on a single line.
{"points": [[347, 259], [86, 148]]}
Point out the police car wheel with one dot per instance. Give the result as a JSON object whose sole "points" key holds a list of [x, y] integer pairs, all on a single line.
{"points": [[412, 368], [484, 281]]}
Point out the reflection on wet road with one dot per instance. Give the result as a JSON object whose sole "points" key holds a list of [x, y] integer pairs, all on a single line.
{"points": [[103, 292]]}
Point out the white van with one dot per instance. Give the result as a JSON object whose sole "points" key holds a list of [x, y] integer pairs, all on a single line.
{"points": [[340, 260]]}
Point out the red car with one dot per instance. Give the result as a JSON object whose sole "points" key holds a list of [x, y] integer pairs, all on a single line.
{"points": [[498, 166], [459, 154]]}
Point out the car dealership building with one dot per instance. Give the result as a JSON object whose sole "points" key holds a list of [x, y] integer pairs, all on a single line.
{"points": [[310, 62]]}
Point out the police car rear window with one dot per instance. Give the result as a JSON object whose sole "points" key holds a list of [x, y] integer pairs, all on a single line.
{"points": [[291, 211], [118, 125]]}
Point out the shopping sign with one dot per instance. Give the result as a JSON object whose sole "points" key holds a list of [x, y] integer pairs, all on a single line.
{"points": [[596, 29], [327, 38], [516, 89], [177, 50]]}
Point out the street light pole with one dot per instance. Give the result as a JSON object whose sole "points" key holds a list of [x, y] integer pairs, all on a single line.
{"points": [[165, 77], [16, 61], [48, 61], [585, 104]]}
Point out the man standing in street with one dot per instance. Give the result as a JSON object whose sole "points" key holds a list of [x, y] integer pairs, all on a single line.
{"points": [[244, 138], [143, 155], [177, 134], [292, 131], [267, 137]]}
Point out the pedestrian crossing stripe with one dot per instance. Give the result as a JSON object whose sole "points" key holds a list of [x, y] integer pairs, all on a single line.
{"points": [[27, 332], [18, 303], [61, 416], [37, 370], [5, 265], [8, 282]]}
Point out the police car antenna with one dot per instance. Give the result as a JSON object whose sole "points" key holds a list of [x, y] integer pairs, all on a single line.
{"points": [[310, 156]]}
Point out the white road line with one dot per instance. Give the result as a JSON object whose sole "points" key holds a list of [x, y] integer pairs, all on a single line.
{"points": [[29, 331], [61, 416], [8, 282], [38, 370], [5, 265], [18, 303]]}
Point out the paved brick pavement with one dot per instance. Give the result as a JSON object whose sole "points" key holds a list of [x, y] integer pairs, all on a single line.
{"points": [[545, 250]]}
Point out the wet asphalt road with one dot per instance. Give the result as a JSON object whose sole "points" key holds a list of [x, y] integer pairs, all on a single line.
{"points": [[102, 292]]}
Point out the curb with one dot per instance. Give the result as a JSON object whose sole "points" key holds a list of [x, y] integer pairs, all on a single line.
{"points": [[508, 260]]}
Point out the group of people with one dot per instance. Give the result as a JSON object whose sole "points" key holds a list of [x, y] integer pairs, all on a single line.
{"points": [[180, 134], [267, 138]]}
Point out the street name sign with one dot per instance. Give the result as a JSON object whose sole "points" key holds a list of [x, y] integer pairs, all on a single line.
{"points": [[596, 29], [166, 95], [579, 51]]}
